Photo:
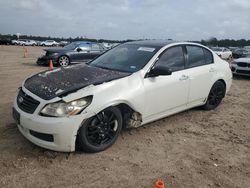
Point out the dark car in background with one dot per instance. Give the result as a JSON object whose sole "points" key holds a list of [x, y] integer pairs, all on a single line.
{"points": [[5, 41], [240, 52], [74, 52]]}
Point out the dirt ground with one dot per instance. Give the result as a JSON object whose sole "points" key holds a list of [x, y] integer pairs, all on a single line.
{"points": [[192, 149]]}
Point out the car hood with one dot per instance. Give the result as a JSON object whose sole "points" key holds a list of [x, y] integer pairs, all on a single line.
{"points": [[56, 50], [246, 60], [62, 81]]}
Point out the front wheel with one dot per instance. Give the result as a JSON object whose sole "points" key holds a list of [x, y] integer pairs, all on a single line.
{"points": [[215, 96], [101, 131], [64, 61]]}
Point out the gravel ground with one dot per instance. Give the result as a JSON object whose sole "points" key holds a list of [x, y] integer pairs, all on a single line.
{"points": [[192, 149]]}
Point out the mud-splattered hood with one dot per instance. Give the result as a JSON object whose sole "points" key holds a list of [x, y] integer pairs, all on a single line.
{"points": [[62, 81]]}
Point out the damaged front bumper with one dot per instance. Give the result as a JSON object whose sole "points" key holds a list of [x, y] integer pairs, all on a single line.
{"points": [[54, 133], [44, 60]]}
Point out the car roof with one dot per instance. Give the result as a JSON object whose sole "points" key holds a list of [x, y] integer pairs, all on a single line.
{"points": [[155, 43]]}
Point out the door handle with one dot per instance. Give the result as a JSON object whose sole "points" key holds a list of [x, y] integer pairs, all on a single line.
{"points": [[212, 70], [183, 77]]}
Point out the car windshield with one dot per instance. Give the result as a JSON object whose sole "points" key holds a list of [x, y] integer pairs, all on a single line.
{"points": [[125, 58]]}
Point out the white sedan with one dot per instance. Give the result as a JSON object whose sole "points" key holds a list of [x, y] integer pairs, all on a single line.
{"points": [[222, 52], [87, 105], [49, 43]]}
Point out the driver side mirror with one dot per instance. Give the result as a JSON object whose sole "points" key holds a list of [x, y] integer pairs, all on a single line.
{"points": [[159, 70], [78, 49]]}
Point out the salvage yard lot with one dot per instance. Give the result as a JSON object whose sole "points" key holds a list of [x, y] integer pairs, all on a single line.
{"points": [[192, 149]]}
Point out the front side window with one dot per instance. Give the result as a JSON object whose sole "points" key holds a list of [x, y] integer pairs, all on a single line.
{"points": [[84, 46], [173, 58], [195, 56]]}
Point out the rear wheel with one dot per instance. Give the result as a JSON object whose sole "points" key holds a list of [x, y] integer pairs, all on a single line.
{"points": [[215, 96], [101, 131], [63, 61]]}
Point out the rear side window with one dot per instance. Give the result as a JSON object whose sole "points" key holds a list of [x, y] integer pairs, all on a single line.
{"points": [[196, 56], [173, 58], [208, 56]]}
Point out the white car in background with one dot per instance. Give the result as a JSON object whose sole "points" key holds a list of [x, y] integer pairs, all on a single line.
{"points": [[87, 105], [30, 43], [222, 52], [49, 43], [241, 66], [19, 42]]}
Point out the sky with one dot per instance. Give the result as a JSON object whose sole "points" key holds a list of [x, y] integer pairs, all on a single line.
{"points": [[127, 19]]}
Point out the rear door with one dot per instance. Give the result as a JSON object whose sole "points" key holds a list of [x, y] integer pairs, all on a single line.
{"points": [[96, 50], [200, 69]]}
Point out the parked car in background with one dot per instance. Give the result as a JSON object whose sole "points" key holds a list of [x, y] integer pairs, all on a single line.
{"points": [[232, 48], [240, 52], [49, 43], [5, 41], [75, 52], [107, 45], [241, 66], [222, 52], [19, 42], [63, 43], [247, 47], [38, 42], [86, 106], [30, 43]]}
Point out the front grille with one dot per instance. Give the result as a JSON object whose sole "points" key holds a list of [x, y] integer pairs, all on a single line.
{"points": [[26, 103], [243, 71], [42, 136], [243, 64]]}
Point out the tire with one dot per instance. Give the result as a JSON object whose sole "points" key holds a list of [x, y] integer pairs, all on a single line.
{"points": [[215, 96], [63, 61], [101, 131]]}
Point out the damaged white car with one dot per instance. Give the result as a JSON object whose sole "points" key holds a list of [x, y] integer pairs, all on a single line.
{"points": [[86, 106]]}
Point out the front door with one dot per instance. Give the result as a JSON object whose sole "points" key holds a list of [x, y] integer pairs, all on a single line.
{"points": [[167, 93]]}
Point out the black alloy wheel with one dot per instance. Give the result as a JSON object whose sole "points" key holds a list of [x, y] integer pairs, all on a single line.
{"points": [[101, 131], [215, 96]]}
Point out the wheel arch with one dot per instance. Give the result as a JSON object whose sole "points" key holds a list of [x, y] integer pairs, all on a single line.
{"points": [[63, 55], [222, 81], [131, 116]]}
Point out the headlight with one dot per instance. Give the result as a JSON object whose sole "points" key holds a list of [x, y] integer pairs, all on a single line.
{"points": [[61, 109], [54, 54]]}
